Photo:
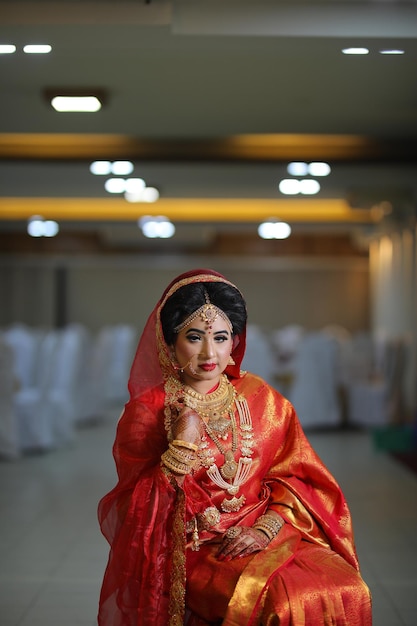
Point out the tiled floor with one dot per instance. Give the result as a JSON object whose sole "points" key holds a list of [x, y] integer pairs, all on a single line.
{"points": [[52, 555]]}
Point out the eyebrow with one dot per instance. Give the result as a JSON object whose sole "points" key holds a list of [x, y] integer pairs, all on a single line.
{"points": [[203, 332]]}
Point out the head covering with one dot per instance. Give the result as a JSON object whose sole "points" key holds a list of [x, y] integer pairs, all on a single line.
{"points": [[151, 365]]}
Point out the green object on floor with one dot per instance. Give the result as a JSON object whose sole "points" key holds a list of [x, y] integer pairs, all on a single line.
{"points": [[394, 438]]}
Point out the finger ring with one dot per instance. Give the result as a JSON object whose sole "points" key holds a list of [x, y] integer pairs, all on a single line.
{"points": [[233, 532]]}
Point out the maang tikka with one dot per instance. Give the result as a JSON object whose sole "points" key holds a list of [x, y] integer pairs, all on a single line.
{"points": [[208, 313]]}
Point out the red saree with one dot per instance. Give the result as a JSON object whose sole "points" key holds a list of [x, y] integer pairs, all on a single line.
{"points": [[307, 576]]}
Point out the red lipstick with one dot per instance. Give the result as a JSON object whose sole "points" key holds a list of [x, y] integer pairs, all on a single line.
{"points": [[208, 367]]}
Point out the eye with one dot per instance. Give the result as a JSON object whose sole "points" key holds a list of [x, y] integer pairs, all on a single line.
{"points": [[193, 338], [221, 338]]}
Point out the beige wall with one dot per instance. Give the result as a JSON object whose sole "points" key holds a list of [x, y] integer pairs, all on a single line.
{"points": [[310, 292]]}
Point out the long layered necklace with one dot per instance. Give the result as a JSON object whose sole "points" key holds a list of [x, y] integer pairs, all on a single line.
{"points": [[217, 411]]}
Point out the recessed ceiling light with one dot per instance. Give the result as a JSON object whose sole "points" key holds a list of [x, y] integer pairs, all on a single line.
{"points": [[7, 49], [38, 227], [76, 104], [297, 168], [150, 194], [289, 186], [115, 185], [135, 186], [393, 51], [309, 187], [37, 49], [318, 168], [122, 168], [157, 226], [101, 168], [274, 229], [70, 100], [355, 51]]}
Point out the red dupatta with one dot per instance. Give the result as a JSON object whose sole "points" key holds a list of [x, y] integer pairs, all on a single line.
{"points": [[138, 587]]}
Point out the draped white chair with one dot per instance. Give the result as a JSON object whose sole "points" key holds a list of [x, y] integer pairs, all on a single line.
{"points": [[25, 343], [47, 412], [376, 400], [285, 342], [259, 356], [33, 420], [123, 347], [108, 372], [9, 444], [315, 391]]}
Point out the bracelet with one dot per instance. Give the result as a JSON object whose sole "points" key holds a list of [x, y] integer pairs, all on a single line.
{"points": [[176, 466], [185, 444], [181, 455], [270, 525]]}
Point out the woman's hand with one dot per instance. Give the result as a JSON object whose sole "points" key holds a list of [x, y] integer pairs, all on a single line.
{"points": [[241, 541], [188, 427]]}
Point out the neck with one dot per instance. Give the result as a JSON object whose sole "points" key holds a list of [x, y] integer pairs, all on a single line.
{"points": [[204, 386]]}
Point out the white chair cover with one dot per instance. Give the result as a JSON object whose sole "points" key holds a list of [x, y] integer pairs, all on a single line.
{"points": [[9, 446], [315, 391], [285, 342], [25, 343], [108, 370], [377, 400], [47, 412], [259, 356]]}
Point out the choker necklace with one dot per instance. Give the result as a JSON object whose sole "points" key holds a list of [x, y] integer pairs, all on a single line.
{"points": [[212, 406]]}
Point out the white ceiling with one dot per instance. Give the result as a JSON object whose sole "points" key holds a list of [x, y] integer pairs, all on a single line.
{"points": [[184, 77]]}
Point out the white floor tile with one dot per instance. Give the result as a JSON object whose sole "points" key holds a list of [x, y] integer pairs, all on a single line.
{"points": [[52, 555]]}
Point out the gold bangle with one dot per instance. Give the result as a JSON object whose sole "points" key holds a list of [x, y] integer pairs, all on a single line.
{"points": [[185, 444], [269, 524], [184, 457], [174, 465]]}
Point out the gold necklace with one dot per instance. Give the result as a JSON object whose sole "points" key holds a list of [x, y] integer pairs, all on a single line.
{"points": [[229, 468], [214, 405]]}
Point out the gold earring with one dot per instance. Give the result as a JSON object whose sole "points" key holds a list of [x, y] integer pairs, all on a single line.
{"points": [[231, 361]]}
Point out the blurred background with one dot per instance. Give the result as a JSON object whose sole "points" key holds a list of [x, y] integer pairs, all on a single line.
{"points": [[273, 141]]}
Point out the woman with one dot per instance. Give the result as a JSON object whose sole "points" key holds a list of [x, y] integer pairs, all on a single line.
{"points": [[223, 513]]}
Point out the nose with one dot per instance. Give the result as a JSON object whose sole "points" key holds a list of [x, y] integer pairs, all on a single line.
{"points": [[208, 350]]}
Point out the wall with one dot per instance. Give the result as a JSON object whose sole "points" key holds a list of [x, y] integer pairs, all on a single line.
{"points": [[312, 292]]}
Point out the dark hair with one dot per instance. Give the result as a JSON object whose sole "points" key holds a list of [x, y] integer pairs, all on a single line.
{"points": [[191, 297]]}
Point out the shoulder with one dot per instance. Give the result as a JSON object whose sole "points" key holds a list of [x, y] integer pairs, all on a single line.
{"points": [[252, 385]]}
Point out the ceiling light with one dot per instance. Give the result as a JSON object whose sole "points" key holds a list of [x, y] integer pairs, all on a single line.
{"points": [[101, 168], [38, 227], [150, 194], [393, 51], [50, 228], [309, 187], [76, 104], [297, 168], [70, 100], [319, 169], [7, 49], [289, 186], [122, 168], [273, 229], [156, 227], [37, 49], [115, 185], [135, 186], [355, 51]]}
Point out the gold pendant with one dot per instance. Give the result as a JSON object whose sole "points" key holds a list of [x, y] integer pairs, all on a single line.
{"points": [[229, 469], [232, 505]]}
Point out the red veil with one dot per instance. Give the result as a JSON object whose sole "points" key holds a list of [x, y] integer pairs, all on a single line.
{"points": [[141, 507]]}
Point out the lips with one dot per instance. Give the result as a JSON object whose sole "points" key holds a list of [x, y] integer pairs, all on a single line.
{"points": [[208, 367]]}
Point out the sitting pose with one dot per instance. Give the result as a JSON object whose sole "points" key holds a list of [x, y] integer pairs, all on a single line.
{"points": [[223, 514]]}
